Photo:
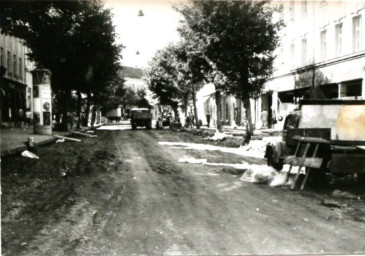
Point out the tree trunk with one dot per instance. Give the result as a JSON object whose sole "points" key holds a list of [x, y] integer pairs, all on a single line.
{"points": [[218, 109], [65, 103], [186, 101], [88, 104], [78, 111], [249, 126], [195, 109]]}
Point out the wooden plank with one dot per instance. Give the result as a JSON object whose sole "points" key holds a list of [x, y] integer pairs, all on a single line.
{"points": [[84, 134], [311, 162], [293, 185], [345, 148], [311, 140], [361, 147], [67, 138]]}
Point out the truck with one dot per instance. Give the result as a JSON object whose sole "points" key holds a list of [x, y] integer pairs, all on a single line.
{"points": [[322, 136], [141, 117], [114, 115]]}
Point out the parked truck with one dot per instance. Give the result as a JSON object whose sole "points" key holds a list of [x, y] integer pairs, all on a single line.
{"points": [[114, 115], [141, 117], [323, 136]]}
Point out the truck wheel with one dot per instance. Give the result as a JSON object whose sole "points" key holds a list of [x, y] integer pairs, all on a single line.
{"points": [[270, 160]]}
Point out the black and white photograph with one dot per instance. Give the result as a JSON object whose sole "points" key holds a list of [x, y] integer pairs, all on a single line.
{"points": [[182, 127]]}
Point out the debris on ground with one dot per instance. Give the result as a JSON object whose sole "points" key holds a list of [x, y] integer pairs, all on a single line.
{"points": [[263, 174], [67, 138], [219, 136], [332, 204], [258, 147], [29, 154], [343, 194], [259, 174], [84, 134], [60, 141], [192, 160]]}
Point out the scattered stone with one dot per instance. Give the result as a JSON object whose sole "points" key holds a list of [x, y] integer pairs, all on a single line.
{"points": [[29, 154], [332, 204], [343, 194]]}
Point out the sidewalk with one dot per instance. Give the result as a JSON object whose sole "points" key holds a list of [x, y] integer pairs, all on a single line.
{"points": [[14, 140], [240, 131]]}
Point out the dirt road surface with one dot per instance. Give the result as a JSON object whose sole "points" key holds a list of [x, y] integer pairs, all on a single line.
{"points": [[123, 193]]}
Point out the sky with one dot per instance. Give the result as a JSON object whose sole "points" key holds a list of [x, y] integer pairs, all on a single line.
{"points": [[145, 34]]}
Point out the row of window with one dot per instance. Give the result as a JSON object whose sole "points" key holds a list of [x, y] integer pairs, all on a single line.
{"points": [[356, 38], [13, 65], [304, 9], [356, 42]]}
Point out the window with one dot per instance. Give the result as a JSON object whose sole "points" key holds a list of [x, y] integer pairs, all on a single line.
{"points": [[304, 51], [351, 89], [291, 10], [2, 56], [304, 8], [8, 62], [356, 33], [338, 39], [323, 44], [14, 65], [292, 55], [20, 68]]}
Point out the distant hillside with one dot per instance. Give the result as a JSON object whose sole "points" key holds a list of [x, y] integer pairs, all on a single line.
{"points": [[131, 72]]}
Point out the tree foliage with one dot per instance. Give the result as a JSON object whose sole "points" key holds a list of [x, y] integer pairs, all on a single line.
{"points": [[238, 37], [74, 39], [162, 77]]}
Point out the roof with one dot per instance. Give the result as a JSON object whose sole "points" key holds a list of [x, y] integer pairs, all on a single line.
{"points": [[131, 72]]}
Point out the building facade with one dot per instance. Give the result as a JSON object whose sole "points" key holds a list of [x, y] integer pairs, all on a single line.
{"points": [[321, 55], [16, 83]]}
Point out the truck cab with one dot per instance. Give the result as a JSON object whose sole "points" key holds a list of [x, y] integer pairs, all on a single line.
{"points": [[141, 117]]}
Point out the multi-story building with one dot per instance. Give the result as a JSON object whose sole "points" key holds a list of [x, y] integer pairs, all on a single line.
{"points": [[321, 55], [16, 84]]}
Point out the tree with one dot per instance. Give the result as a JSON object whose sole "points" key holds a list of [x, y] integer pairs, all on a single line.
{"points": [[113, 95], [238, 39], [161, 80], [74, 39], [176, 73]]}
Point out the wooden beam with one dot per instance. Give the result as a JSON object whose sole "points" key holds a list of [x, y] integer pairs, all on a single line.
{"points": [[67, 138], [312, 162], [84, 134]]}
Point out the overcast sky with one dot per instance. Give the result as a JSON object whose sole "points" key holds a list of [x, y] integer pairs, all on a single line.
{"points": [[144, 34]]}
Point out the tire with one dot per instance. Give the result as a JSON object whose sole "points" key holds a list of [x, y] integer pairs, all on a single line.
{"points": [[134, 127], [270, 160]]}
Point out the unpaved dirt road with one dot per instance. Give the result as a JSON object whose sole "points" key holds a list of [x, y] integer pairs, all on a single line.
{"points": [[125, 194]]}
